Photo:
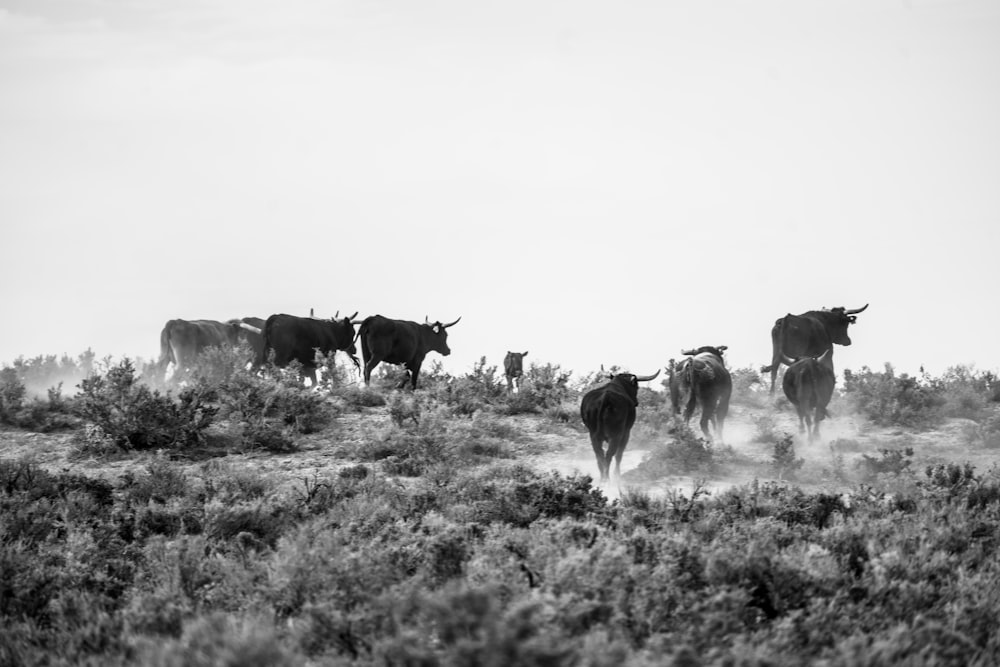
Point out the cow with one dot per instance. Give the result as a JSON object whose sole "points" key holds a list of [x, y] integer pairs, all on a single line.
{"points": [[608, 412], [181, 341], [809, 335], [295, 338], [703, 379], [401, 342], [808, 384], [513, 369]]}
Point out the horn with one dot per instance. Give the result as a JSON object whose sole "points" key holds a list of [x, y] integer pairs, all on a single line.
{"points": [[721, 348], [311, 313], [787, 360], [646, 378], [855, 311], [445, 326], [336, 315], [351, 317], [249, 327], [825, 354], [689, 352]]}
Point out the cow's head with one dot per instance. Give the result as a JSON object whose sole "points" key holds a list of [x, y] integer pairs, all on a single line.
{"points": [[837, 322], [439, 337], [630, 382], [348, 336]]}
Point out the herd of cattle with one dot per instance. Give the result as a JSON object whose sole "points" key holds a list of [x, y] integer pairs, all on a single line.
{"points": [[803, 342]]}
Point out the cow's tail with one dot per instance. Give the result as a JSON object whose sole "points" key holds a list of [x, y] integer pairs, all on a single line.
{"points": [[265, 348], [166, 352], [366, 352], [691, 380]]}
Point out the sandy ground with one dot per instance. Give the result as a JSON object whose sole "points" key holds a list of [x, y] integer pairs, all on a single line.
{"points": [[564, 448]]}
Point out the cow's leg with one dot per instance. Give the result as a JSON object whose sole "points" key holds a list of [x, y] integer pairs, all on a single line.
{"points": [[510, 384], [310, 372], [689, 409], [721, 410], [598, 446], [619, 452], [370, 365], [414, 369]]}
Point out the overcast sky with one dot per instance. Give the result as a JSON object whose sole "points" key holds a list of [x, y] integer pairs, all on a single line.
{"points": [[595, 182]]}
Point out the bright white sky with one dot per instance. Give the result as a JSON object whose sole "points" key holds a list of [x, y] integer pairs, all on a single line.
{"points": [[595, 182]]}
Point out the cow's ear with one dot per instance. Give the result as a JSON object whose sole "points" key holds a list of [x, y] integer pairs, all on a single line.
{"points": [[524, 354]]}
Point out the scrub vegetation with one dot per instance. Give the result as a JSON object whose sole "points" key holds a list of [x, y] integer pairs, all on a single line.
{"points": [[152, 524]]}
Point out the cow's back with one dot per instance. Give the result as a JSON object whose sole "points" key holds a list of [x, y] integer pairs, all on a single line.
{"points": [[607, 410], [393, 341]]}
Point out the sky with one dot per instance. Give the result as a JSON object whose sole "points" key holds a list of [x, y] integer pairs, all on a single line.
{"points": [[594, 182]]}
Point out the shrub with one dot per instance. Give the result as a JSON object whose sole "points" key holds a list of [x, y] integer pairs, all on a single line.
{"points": [[135, 417], [889, 400], [766, 428], [783, 459], [39, 373], [985, 434], [748, 387], [355, 396], [682, 452], [34, 413], [891, 461]]}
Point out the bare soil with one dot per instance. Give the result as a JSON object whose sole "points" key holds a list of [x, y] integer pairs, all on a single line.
{"points": [[564, 448]]}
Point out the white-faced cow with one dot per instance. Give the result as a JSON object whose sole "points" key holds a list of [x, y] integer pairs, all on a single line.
{"points": [[608, 412], [702, 379], [513, 369], [808, 384], [299, 339], [401, 342], [809, 335]]}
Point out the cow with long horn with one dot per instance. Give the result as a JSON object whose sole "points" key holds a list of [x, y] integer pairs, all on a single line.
{"points": [[702, 379], [809, 335], [299, 339], [401, 342], [608, 412], [182, 341], [808, 384]]}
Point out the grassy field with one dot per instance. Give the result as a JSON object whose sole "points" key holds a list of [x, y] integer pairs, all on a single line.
{"points": [[241, 520]]}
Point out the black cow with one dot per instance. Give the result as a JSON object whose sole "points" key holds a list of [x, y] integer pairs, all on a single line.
{"points": [[703, 379], [299, 338], [513, 369], [608, 412], [808, 335], [809, 384], [401, 342], [181, 341]]}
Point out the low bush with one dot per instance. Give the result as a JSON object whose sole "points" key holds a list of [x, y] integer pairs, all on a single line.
{"points": [[766, 429], [18, 408], [135, 417], [682, 452], [891, 461], [783, 460], [890, 400]]}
